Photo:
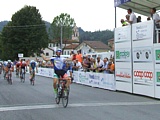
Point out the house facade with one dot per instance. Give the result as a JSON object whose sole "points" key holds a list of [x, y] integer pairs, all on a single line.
{"points": [[92, 47]]}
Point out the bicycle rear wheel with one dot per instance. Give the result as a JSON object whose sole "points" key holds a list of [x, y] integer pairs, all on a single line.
{"points": [[23, 77], [65, 97]]}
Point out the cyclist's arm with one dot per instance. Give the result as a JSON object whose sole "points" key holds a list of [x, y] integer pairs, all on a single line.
{"points": [[45, 58]]}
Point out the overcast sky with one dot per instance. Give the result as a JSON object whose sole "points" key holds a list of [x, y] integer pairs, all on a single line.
{"points": [[90, 15]]}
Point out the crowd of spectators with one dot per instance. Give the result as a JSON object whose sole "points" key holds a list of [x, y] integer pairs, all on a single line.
{"points": [[89, 64], [79, 62]]}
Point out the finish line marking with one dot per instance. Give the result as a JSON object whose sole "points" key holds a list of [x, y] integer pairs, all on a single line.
{"points": [[33, 107]]}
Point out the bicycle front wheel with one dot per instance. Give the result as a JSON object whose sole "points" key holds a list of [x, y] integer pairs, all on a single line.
{"points": [[65, 97]]}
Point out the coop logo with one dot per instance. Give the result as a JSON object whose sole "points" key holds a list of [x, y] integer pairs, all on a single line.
{"points": [[143, 74]]}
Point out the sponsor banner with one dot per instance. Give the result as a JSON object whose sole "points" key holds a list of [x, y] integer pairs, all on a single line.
{"points": [[75, 76], [45, 72], [83, 78], [144, 54], [123, 55], [158, 77], [120, 2], [143, 76], [123, 34], [142, 31], [124, 75], [157, 55], [99, 80], [108, 82], [94, 79]]}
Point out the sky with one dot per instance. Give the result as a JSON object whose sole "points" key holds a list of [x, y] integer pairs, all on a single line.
{"points": [[90, 15]]}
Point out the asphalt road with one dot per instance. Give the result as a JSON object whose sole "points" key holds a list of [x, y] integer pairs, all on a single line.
{"points": [[22, 101]]}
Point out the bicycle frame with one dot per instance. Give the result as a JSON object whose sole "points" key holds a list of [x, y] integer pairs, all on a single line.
{"points": [[32, 77], [61, 94]]}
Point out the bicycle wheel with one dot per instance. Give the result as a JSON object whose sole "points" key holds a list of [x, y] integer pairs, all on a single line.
{"points": [[65, 97], [23, 77]]}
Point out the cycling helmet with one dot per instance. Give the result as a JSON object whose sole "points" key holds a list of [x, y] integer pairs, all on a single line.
{"points": [[32, 61], [59, 50], [9, 61], [23, 62]]}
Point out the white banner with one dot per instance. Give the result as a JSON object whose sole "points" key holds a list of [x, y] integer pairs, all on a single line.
{"points": [[124, 75], [123, 54], [143, 30], [123, 34], [144, 54], [143, 77]]}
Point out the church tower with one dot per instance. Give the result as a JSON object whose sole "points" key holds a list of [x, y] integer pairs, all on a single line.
{"points": [[75, 34]]}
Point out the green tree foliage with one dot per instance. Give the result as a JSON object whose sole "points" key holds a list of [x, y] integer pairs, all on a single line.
{"points": [[67, 24], [25, 33], [97, 35]]}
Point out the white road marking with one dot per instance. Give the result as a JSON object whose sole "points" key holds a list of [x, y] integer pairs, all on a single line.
{"points": [[32, 107]]}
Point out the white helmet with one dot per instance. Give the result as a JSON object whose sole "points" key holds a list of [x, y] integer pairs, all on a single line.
{"points": [[23, 62], [9, 61], [32, 61]]}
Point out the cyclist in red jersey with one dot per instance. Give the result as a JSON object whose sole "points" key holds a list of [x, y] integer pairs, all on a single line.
{"points": [[23, 65], [17, 67]]}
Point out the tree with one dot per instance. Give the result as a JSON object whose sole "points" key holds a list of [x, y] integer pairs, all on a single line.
{"points": [[25, 33], [65, 21]]}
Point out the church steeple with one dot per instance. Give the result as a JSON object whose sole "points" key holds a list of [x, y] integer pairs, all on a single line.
{"points": [[75, 35]]}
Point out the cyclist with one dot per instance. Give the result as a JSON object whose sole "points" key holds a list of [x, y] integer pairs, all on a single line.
{"points": [[17, 67], [1, 67], [23, 66], [59, 72], [32, 68], [9, 67]]}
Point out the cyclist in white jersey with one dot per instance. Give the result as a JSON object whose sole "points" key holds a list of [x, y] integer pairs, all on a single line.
{"points": [[59, 72]]}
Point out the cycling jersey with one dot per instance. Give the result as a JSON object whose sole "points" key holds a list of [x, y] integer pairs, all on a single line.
{"points": [[33, 65], [58, 63]]}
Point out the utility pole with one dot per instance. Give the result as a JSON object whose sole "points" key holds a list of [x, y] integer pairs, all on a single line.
{"points": [[61, 37]]}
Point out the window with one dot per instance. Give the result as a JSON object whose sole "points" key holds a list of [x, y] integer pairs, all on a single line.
{"points": [[65, 52], [68, 53], [47, 54]]}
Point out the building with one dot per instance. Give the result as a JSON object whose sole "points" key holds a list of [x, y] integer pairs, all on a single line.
{"points": [[92, 47], [111, 44]]}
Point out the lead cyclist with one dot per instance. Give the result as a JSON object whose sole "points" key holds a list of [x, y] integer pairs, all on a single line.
{"points": [[59, 71]]}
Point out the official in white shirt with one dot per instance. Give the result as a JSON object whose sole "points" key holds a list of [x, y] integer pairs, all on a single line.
{"points": [[155, 16], [132, 18]]}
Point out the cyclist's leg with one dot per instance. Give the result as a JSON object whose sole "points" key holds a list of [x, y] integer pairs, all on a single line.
{"points": [[55, 81]]}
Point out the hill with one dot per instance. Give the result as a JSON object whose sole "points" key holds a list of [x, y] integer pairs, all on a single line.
{"points": [[84, 35]]}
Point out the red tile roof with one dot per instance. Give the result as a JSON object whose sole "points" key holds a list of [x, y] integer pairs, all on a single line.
{"points": [[72, 46], [96, 44]]}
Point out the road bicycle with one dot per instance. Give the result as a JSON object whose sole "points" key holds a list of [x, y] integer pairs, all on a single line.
{"points": [[22, 75], [63, 92], [9, 77], [32, 79], [17, 72]]}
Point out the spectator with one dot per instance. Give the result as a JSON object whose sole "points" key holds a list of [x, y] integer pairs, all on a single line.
{"points": [[104, 68], [132, 18], [148, 18], [74, 65], [100, 64], [94, 66], [73, 55], [78, 66], [139, 19], [79, 56], [84, 63], [124, 23], [111, 67]]}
